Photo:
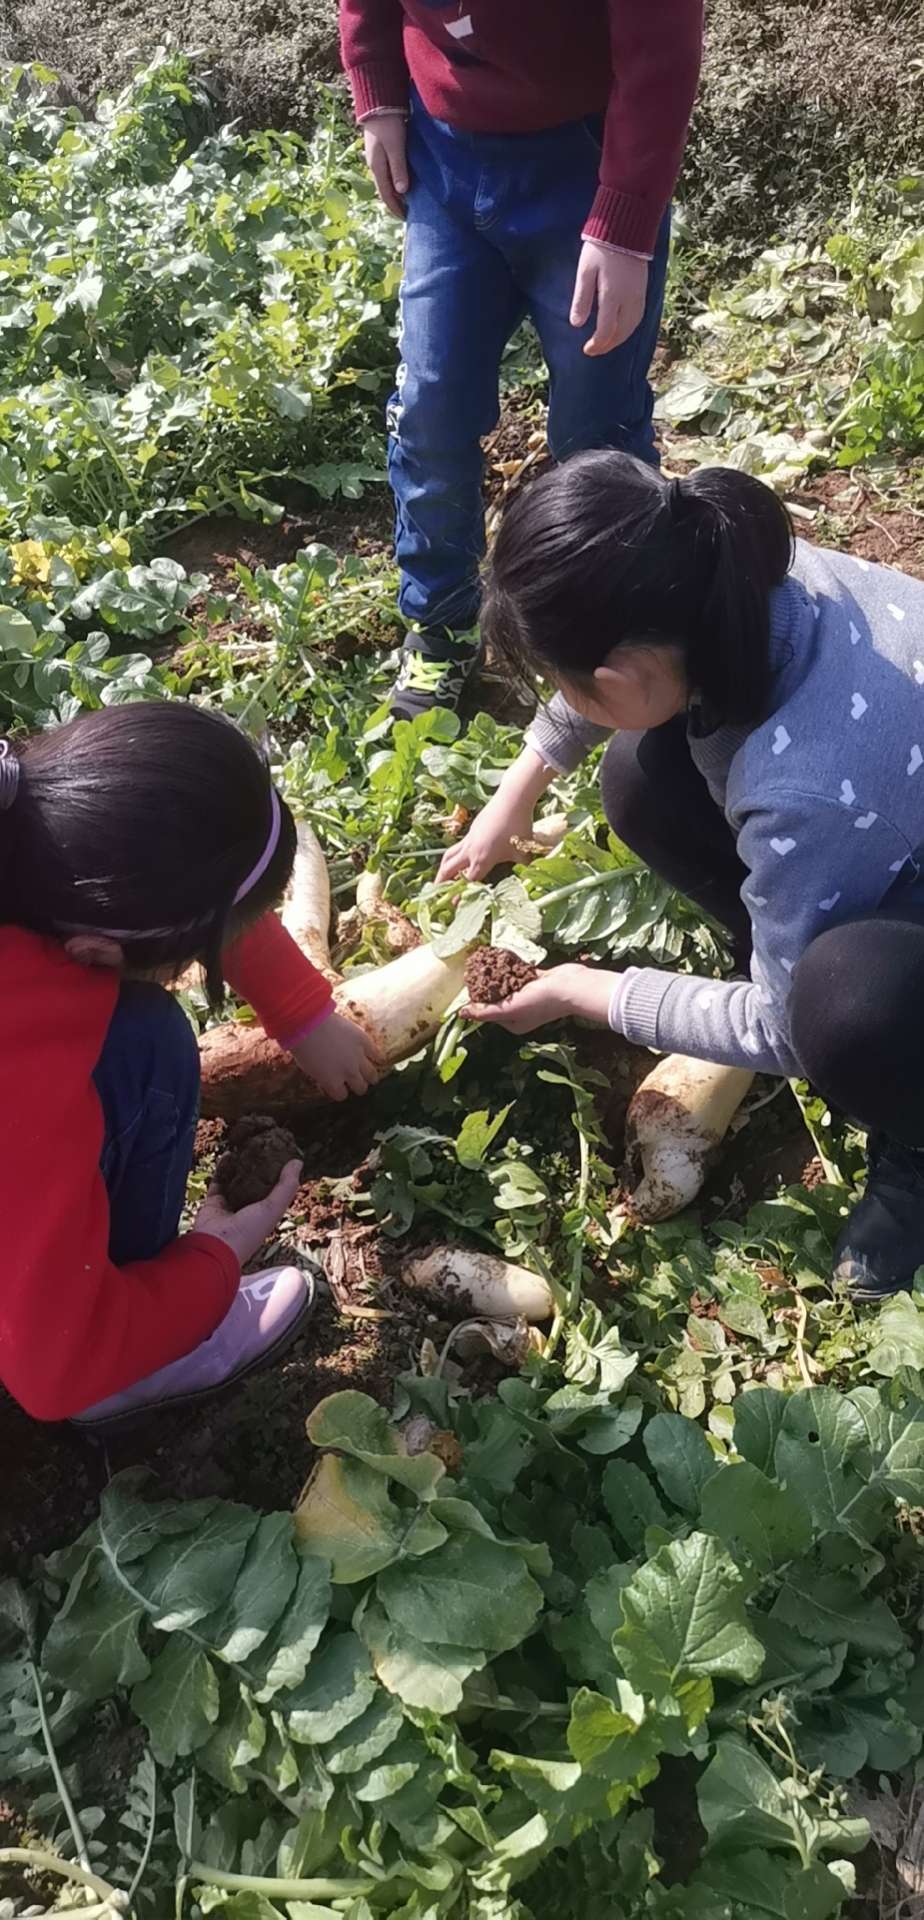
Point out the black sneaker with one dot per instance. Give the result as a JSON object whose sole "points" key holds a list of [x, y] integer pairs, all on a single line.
{"points": [[881, 1247], [427, 680]]}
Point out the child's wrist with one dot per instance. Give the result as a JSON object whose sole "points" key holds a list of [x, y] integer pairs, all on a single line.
{"points": [[293, 1040]]}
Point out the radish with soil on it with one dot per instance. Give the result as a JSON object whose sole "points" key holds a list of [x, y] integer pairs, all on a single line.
{"points": [[480, 1284], [676, 1121], [400, 1006]]}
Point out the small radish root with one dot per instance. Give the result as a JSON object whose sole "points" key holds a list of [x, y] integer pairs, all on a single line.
{"points": [[675, 1123], [480, 1284]]}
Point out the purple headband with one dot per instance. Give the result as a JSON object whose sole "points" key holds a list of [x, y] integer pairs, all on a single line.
{"points": [[257, 872], [9, 775], [161, 933]]}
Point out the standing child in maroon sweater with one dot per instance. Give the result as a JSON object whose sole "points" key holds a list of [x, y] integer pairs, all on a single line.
{"points": [[532, 147]]}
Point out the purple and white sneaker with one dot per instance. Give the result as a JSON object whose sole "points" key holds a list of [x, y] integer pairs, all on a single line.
{"points": [[264, 1316]]}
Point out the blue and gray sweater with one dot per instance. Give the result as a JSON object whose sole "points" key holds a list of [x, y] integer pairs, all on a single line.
{"points": [[825, 798]]}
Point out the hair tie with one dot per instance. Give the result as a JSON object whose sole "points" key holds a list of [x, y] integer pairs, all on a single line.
{"points": [[9, 775]]}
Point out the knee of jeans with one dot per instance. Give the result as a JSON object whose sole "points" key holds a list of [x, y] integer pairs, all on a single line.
{"points": [[149, 1018]]}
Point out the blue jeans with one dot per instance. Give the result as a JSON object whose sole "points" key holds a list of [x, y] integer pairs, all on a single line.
{"points": [[494, 233], [147, 1078]]}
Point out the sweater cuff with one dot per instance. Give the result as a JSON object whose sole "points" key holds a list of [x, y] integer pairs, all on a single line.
{"points": [[636, 1004], [618, 220], [545, 740], [378, 86]]}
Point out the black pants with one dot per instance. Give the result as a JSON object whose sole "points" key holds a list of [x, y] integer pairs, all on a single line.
{"points": [[856, 1008]]}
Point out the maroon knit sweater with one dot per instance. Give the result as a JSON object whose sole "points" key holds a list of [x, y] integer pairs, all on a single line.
{"points": [[517, 66]]}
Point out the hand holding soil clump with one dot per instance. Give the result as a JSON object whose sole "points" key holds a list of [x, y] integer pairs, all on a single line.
{"points": [[255, 1154], [492, 975]]}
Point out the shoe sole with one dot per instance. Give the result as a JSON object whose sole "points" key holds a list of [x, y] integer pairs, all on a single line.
{"points": [[134, 1416]]}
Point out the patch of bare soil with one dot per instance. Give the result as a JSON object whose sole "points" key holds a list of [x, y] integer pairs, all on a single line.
{"points": [[871, 528]]}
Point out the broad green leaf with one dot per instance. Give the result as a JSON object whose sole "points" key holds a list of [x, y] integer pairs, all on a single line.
{"points": [[681, 1457], [347, 1516], [17, 634], [92, 1644], [238, 1738], [632, 1503], [899, 1337], [614, 1741], [821, 1451], [283, 1658], [743, 1804], [337, 1688], [830, 1607], [430, 1676], [366, 1739], [755, 1519], [476, 1134], [684, 1619], [895, 1436], [758, 1419], [178, 1702], [471, 1592], [762, 1886], [358, 1427], [261, 1593], [184, 1578]]}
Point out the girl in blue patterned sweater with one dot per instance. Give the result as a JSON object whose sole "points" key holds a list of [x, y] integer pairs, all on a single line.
{"points": [[769, 762]]}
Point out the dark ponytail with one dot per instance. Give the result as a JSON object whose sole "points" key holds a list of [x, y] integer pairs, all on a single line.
{"points": [[604, 550], [143, 821]]}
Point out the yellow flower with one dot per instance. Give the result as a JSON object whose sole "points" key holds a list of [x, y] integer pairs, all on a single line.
{"points": [[31, 563]]}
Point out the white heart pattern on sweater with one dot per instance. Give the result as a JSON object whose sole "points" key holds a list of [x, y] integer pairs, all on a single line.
{"points": [[826, 905], [865, 820], [782, 847], [847, 793], [915, 761], [858, 706], [781, 740]]}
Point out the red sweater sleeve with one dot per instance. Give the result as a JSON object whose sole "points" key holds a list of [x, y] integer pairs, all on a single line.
{"points": [[372, 49], [657, 50], [268, 970]]}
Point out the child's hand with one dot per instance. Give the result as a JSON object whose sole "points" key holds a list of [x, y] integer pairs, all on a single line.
{"points": [[617, 283], [245, 1231], [339, 1056], [385, 141], [579, 992], [489, 841]]}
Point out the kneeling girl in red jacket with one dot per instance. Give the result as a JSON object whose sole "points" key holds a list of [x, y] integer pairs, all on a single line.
{"points": [[133, 842]]}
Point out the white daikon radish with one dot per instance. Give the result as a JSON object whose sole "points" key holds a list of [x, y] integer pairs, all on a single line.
{"points": [[400, 1005], [306, 913], [480, 1283], [675, 1121]]}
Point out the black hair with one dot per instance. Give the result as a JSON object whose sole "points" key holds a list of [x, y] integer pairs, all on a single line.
{"points": [[604, 550], [146, 817]]}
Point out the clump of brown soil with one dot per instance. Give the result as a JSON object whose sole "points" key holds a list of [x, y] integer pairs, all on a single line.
{"points": [[492, 975], [256, 1152]]}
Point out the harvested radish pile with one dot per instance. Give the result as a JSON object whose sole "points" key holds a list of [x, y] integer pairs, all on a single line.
{"points": [[255, 1154], [492, 975]]}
